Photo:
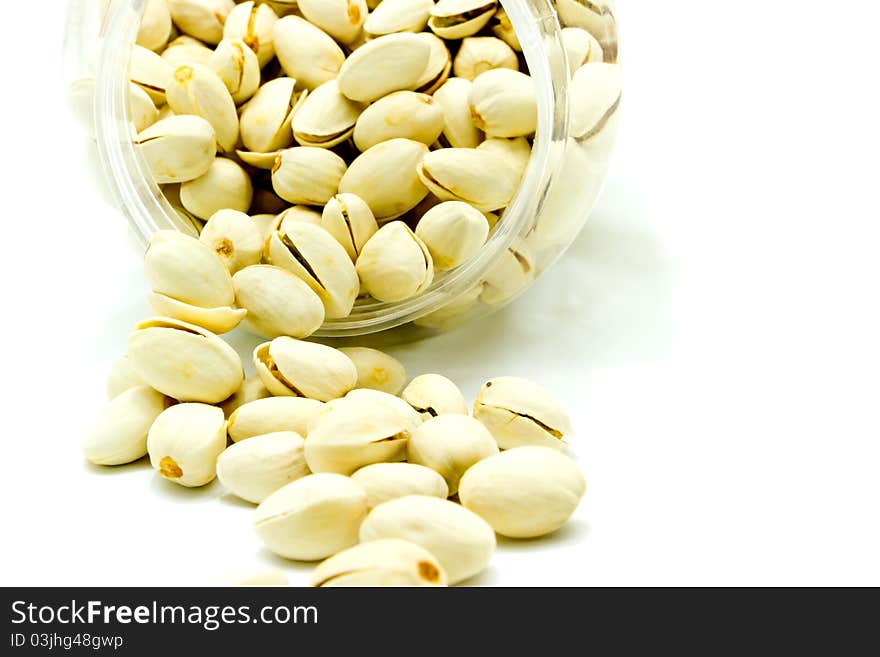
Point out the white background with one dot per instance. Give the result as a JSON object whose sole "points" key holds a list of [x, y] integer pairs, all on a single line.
{"points": [[714, 330]]}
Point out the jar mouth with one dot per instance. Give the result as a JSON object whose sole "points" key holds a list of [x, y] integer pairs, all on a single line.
{"points": [[143, 202]]}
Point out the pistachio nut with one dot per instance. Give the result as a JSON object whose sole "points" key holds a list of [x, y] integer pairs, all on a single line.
{"points": [[308, 175], [503, 103], [186, 51], [220, 319], [277, 302], [313, 255], [453, 313], [439, 64], [350, 433], [185, 441], [255, 468], [155, 27], [595, 16], [150, 72], [523, 492], [184, 361], [294, 368], [271, 415], [252, 23], [202, 19], [379, 398], [450, 444], [122, 377], [385, 176], [595, 97], [252, 575], [141, 108], [456, 19], [266, 119], [326, 118], [394, 264], [470, 175], [581, 48], [199, 90], [519, 412], [119, 435], [405, 114], [306, 52], [341, 19], [459, 130], [433, 395], [388, 481], [398, 16], [376, 369], [250, 390], [453, 232], [225, 185], [348, 218], [503, 29], [313, 517], [461, 540], [510, 274], [480, 54], [235, 237], [515, 152], [385, 562], [237, 65], [392, 62], [178, 149]]}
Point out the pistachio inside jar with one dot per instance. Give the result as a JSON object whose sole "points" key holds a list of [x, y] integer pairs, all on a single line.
{"points": [[453, 149]]}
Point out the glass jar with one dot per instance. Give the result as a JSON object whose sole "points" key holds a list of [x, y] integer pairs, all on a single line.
{"points": [[577, 120]]}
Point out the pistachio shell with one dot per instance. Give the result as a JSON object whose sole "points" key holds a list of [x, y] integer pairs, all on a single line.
{"points": [[181, 267], [595, 96], [376, 369], [595, 16], [119, 434], [395, 264], [202, 19], [503, 103], [225, 185], [185, 441], [250, 390], [379, 398], [439, 64], [150, 72], [277, 302], [404, 114], [456, 19], [141, 108], [273, 414], [480, 54], [178, 148], [263, 161], [389, 63], [306, 52], [469, 175], [266, 119], [155, 27], [238, 67], [388, 481], [186, 51], [581, 47], [515, 152], [184, 361], [433, 395], [257, 467], [510, 274], [350, 221], [454, 232], [304, 369], [234, 237], [398, 16], [503, 29], [341, 19], [221, 319], [122, 377], [296, 213], [199, 90], [389, 562], [308, 175], [459, 130], [326, 118], [253, 23]]}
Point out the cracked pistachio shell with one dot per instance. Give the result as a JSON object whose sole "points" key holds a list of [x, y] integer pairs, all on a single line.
{"points": [[307, 175], [387, 562], [379, 398], [452, 314], [150, 72], [454, 232], [312, 254], [202, 19], [595, 97], [503, 29], [459, 130], [122, 377], [439, 64], [350, 433], [393, 62], [225, 185], [266, 119], [341, 19], [186, 51], [433, 395], [263, 161], [326, 118], [238, 67], [184, 361], [510, 274], [250, 390], [296, 213], [141, 108], [456, 19], [469, 175], [461, 540], [398, 16], [523, 492], [581, 47], [594, 16], [252, 23], [449, 445], [199, 90], [385, 177], [312, 518], [294, 368], [235, 237], [519, 412], [394, 264], [503, 103], [155, 27], [376, 369], [404, 114], [273, 414], [185, 441], [255, 468], [348, 218], [220, 319], [515, 152], [182, 267], [178, 149], [306, 52], [480, 54], [119, 434], [388, 481], [277, 302]]}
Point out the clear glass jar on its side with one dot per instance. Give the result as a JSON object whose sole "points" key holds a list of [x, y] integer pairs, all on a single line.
{"points": [[578, 102]]}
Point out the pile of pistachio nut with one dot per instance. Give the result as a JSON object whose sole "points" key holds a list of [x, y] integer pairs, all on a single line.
{"points": [[346, 460], [366, 147]]}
